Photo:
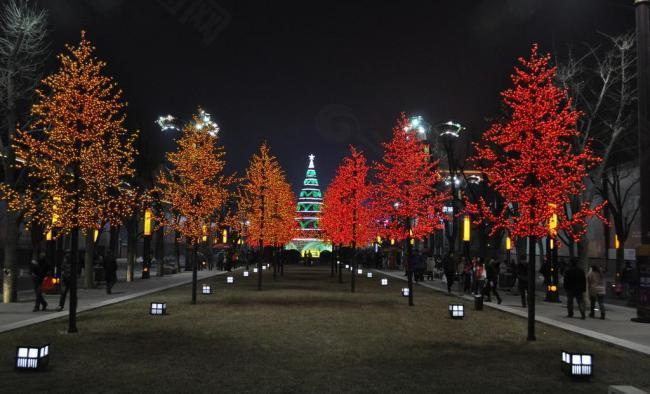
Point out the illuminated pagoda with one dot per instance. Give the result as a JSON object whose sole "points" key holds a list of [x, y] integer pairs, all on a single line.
{"points": [[310, 236]]}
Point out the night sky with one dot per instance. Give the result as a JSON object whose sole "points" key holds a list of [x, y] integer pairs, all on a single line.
{"points": [[314, 77]]}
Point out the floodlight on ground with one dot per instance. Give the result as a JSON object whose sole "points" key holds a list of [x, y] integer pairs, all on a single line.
{"points": [[32, 357], [384, 282], [359, 271], [577, 365], [255, 270], [347, 266], [230, 280], [246, 273], [206, 289], [369, 275], [158, 308], [405, 292], [456, 311]]}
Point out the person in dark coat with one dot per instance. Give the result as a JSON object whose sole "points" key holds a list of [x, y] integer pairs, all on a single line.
{"points": [[449, 268], [575, 285], [66, 276], [39, 272], [522, 280], [110, 271], [492, 275]]}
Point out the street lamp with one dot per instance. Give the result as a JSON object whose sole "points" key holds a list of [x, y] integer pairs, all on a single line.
{"points": [[146, 248], [552, 294], [448, 134]]}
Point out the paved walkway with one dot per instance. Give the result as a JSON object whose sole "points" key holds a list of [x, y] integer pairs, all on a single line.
{"points": [[19, 314], [616, 329]]}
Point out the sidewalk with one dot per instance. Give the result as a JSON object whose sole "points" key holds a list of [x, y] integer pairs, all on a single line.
{"points": [[616, 329], [19, 314]]}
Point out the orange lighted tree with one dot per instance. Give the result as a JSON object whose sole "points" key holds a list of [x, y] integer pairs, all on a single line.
{"points": [[347, 217], [268, 203], [78, 152], [193, 188]]}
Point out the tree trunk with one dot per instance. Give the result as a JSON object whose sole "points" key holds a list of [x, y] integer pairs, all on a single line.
{"points": [[532, 270], [194, 268], [159, 251], [114, 240], [88, 259], [177, 251], [354, 269], [339, 264], [620, 257], [188, 252], [12, 222], [12, 235], [131, 246]]}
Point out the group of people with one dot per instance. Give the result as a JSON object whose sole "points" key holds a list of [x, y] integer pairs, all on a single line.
{"points": [[480, 277], [40, 270]]}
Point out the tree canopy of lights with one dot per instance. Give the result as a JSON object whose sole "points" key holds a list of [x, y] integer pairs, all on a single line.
{"points": [[267, 202], [347, 217], [78, 152], [194, 188], [528, 159], [405, 198]]}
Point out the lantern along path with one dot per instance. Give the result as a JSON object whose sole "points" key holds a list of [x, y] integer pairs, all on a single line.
{"points": [[616, 329], [19, 314]]}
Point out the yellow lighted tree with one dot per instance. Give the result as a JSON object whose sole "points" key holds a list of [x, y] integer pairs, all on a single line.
{"points": [[77, 152], [267, 203], [194, 188]]}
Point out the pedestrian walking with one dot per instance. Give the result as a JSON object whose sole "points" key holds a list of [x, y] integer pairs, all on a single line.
{"points": [[449, 268], [628, 278], [66, 277], [492, 273], [110, 271], [596, 288], [522, 280], [480, 277], [467, 275], [39, 270], [431, 266], [575, 285]]}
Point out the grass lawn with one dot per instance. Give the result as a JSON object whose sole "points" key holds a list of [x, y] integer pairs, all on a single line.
{"points": [[307, 333]]}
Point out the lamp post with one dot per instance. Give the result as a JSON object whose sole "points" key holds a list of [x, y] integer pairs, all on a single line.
{"points": [[146, 247], [422, 131], [448, 134], [552, 294]]}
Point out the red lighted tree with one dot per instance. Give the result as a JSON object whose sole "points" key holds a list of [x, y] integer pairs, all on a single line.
{"points": [[529, 161], [405, 196], [346, 214]]}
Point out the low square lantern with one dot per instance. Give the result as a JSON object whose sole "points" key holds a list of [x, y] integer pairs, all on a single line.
{"points": [[255, 270], [158, 308], [206, 289], [230, 280], [456, 311], [369, 274], [384, 282], [32, 357], [347, 266], [577, 365], [264, 267], [359, 271], [246, 274], [405, 292]]}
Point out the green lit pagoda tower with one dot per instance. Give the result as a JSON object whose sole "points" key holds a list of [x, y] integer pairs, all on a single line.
{"points": [[308, 214]]}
